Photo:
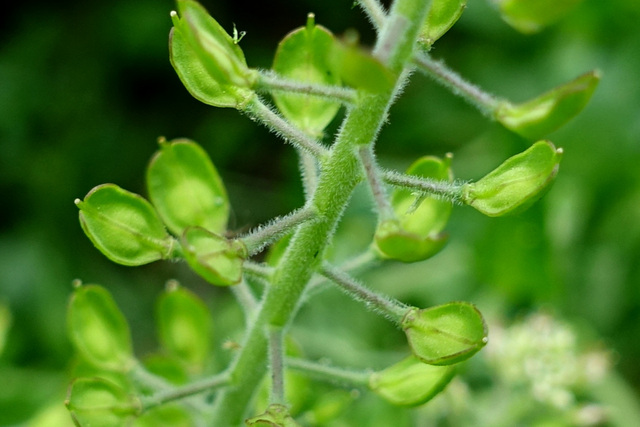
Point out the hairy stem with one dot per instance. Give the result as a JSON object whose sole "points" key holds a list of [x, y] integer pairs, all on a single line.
{"points": [[375, 12], [328, 373], [385, 211], [447, 190], [270, 81]]}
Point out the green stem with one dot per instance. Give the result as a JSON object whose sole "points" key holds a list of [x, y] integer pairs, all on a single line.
{"points": [[375, 12], [328, 373], [341, 172], [270, 81], [177, 393], [385, 211], [437, 70], [262, 113], [264, 235], [447, 190], [392, 309], [245, 298], [276, 355]]}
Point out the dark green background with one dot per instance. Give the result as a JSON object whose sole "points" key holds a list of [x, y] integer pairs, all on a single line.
{"points": [[86, 88]]}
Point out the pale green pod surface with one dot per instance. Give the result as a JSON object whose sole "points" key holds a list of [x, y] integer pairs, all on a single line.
{"points": [[417, 232], [517, 183], [98, 330], [209, 62], [445, 334], [165, 416], [124, 226], [303, 56], [359, 69], [411, 382], [276, 415], [214, 258], [441, 17], [97, 402], [531, 16], [184, 327], [186, 189], [538, 117]]}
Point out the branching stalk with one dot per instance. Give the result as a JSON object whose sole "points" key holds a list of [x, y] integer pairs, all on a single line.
{"points": [[446, 190], [385, 210], [276, 356], [272, 82], [177, 393], [374, 11], [327, 373]]}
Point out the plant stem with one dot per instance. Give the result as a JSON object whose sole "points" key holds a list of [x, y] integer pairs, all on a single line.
{"points": [[385, 211], [269, 80], [276, 355], [264, 235], [341, 172], [375, 11], [451, 191], [437, 70], [328, 373], [245, 298], [177, 393], [391, 309], [262, 113]]}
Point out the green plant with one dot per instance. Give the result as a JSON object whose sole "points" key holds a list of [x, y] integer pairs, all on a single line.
{"points": [[314, 74]]}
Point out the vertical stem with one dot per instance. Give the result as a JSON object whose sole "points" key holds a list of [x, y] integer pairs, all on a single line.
{"points": [[276, 355], [385, 211], [341, 172]]}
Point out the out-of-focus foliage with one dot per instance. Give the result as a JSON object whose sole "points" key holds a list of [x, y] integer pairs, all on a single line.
{"points": [[87, 88]]}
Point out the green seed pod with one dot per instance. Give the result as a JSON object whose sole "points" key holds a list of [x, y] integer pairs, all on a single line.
{"points": [[209, 62], [410, 382], [303, 55], [184, 327], [359, 69], [214, 258], [536, 118], [517, 183], [531, 16], [276, 415], [441, 17], [445, 334], [100, 403], [168, 415], [416, 233], [124, 226], [98, 330], [186, 189]]}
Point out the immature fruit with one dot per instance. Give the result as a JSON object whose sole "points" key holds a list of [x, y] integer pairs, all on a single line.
{"points": [[101, 403], [531, 16], [441, 17]]}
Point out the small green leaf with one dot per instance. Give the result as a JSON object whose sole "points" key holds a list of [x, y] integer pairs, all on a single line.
{"points": [[186, 189], [536, 118], [441, 17], [417, 232], [184, 326], [276, 415], [216, 259], [517, 183], [97, 402], [445, 334], [531, 16], [303, 55], [208, 61], [98, 330], [411, 382], [359, 69], [124, 226]]}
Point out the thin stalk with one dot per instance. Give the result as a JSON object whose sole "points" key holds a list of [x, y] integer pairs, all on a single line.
{"points": [[245, 298], [374, 11], [270, 81], [437, 70], [262, 113], [385, 211], [309, 169], [276, 356], [177, 393], [264, 235], [330, 374], [391, 309], [446, 190], [261, 271], [341, 172]]}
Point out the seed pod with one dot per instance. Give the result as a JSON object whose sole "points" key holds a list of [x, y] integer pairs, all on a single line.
{"points": [[216, 259], [124, 226], [531, 16], [537, 118], [441, 17], [445, 334], [410, 382], [276, 415], [517, 183], [98, 330], [101, 403], [209, 62], [186, 189], [184, 327], [417, 231], [303, 55]]}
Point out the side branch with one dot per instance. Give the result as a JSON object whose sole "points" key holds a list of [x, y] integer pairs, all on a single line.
{"points": [[451, 191], [270, 81]]}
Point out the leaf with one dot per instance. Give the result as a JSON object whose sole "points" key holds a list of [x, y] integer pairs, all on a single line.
{"points": [[186, 189], [124, 226], [441, 17], [97, 402], [531, 16], [536, 118], [214, 258], [411, 382], [446, 334], [303, 55], [98, 330], [517, 183]]}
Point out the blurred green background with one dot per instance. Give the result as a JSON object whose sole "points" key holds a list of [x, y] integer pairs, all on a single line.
{"points": [[86, 89]]}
